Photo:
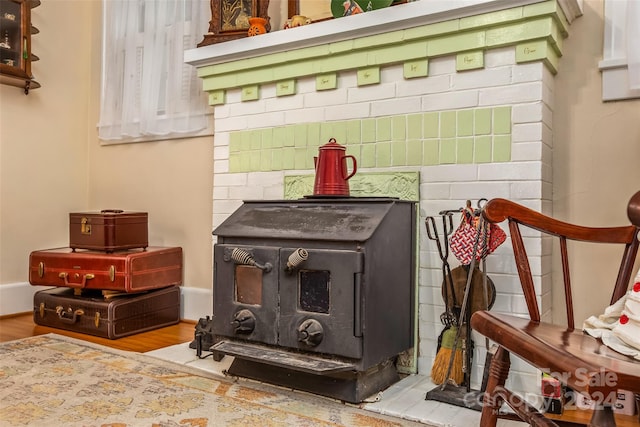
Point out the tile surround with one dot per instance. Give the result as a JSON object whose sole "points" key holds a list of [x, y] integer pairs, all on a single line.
{"points": [[466, 104]]}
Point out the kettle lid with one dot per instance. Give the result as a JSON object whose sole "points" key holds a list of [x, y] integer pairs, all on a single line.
{"points": [[332, 145]]}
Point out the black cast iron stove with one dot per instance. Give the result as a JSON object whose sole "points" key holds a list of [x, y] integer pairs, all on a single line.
{"points": [[316, 294]]}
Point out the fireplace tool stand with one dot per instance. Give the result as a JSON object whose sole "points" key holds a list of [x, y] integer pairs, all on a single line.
{"points": [[449, 392]]}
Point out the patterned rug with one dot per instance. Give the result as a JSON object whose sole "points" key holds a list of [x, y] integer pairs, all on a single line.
{"points": [[56, 380]]}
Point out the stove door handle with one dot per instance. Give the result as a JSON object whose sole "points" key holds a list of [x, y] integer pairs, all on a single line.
{"points": [[244, 257]]}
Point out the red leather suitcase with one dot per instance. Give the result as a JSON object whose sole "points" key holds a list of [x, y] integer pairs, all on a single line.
{"points": [[109, 317], [108, 230], [134, 270]]}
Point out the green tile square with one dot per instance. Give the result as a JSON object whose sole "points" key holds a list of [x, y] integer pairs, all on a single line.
{"points": [[311, 153], [448, 150], [354, 132], [383, 154], [414, 126], [327, 81], [235, 142], [266, 135], [286, 87], [414, 69], [276, 159], [399, 128], [448, 124], [483, 149], [313, 135], [256, 139], [431, 125], [465, 150], [368, 76], [502, 148], [254, 161], [398, 153], [250, 93], [355, 151], [245, 162], [368, 130], [367, 156], [414, 152], [245, 141], [300, 157], [300, 135], [469, 60], [326, 131], [482, 121], [465, 123], [288, 158], [235, 162], [280, 139], [289, 134], [383, 132], [501, 120], [265, 160], [217, 97], [431, 152], [340, 132]]}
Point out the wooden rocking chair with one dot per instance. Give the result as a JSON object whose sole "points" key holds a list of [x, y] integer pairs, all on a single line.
{"points": [[578, 360]]}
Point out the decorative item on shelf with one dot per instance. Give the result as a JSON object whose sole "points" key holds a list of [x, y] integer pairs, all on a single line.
{"points": [[297, 21], [257, 26], [230, 19], [352, 7], [5, 41]]}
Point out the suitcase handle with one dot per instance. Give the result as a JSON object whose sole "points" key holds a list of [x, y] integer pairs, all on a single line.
{"points": [[111, 211], [82, 284], [68, 316]]}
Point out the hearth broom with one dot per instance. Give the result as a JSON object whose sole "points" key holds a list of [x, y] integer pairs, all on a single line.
{"points": [[444, 356]]}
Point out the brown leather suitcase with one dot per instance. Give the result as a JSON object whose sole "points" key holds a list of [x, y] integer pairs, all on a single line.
{"points": [[109, 317], [133, 270], [108, 230]]}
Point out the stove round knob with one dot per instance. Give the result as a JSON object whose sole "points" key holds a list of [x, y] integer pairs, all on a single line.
{"points": [[310, 332], [244, 322]]}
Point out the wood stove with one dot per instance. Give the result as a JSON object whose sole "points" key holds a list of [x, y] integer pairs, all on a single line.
{"points": [[316, 294]]}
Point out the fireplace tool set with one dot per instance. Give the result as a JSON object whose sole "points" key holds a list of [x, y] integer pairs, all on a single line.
{"points": [[465, 289]]}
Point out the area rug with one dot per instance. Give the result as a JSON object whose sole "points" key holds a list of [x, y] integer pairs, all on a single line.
{"points": [[56, 380]]}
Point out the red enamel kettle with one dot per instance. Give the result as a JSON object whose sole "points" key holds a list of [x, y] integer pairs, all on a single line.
{"points": [[332, 175]]}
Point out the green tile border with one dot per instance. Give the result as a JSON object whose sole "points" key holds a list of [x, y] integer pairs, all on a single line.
{"points": [[536, 32], [472, 135], [403, 185]]}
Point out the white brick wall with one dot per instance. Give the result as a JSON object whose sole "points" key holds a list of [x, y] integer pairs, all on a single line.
{"points": [[527, 88]]}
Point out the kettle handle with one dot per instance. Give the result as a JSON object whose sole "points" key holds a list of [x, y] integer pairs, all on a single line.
{"points": [[355, 166]]}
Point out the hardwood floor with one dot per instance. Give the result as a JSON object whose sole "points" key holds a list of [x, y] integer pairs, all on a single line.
{"points": [[22, 326]]}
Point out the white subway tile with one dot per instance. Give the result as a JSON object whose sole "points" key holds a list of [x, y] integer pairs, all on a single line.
{"points": [[526, 151], [265, 178], [510, 171], [529, 72], [482, 78], [267, 120], [221, 166], [221, 153], [423, 86], [371, 93], [249, 192], [442, 65], [325, 98], [450, 100], [512, 94], [230, 179], [526, 132], [232, 123], [281, 103], [395, 106], [500, 57], [527, 113], [347, 111]]}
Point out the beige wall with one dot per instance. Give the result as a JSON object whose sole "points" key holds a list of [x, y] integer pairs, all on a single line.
{"points": [[51, 162], [596, 163]]}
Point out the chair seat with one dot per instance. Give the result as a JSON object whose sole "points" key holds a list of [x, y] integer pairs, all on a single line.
{"points": [[555, 349]]}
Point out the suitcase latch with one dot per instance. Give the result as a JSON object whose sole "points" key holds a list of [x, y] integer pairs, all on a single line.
{"points": [[41, 269], [85, 226], [41, 309], [96, 319]]}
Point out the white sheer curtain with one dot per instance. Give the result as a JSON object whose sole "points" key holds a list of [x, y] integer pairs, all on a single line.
{"points": [[633, 43], [147, 89]]}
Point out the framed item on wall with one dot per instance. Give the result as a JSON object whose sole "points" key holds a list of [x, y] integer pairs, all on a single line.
{"points": [[230, 19], [312, 9]]}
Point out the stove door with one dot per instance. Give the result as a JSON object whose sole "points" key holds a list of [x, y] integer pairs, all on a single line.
{"points": [[320, 301], [245, 292]]}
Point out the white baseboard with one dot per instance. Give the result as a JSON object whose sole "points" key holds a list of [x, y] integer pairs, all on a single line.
{"points": [[18, 298]]}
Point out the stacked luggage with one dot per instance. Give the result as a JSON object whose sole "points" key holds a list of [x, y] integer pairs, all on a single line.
{"points": [[108, 282]]}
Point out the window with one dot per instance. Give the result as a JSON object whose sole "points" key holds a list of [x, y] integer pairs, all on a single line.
{"points": [[148, 92], [620, 63]]}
